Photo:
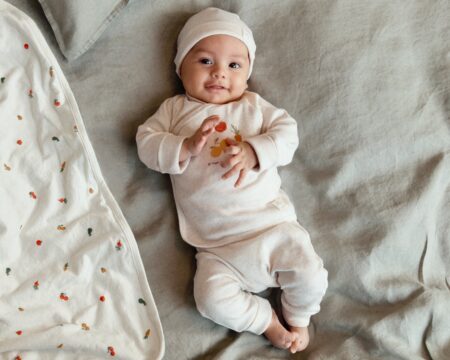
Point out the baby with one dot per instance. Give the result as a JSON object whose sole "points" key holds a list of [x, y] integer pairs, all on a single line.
{"points": [[221, 145]]}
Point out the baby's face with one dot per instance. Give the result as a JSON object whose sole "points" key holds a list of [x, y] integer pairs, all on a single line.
{"points": [[215, 70]]}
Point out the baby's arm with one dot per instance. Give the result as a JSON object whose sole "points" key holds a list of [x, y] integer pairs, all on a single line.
{"points": [[276, 144], [193, 145], [158, 147], [163, 151]]}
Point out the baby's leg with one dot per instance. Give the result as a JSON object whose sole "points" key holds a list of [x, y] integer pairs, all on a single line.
{"points": [[303, 281], [220, 297]]}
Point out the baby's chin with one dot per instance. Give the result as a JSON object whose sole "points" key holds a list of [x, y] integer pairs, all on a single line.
{"points": [[218, 99]]}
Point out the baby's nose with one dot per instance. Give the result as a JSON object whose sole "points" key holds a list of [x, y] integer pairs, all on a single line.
{"points": [[218, 73]]}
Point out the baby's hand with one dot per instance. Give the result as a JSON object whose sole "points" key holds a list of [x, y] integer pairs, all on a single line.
{"points": [[243, 159], [193, 145]]}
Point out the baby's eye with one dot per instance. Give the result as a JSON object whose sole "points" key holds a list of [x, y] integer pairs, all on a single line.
{"points": [[206, 61], [235, 65]]}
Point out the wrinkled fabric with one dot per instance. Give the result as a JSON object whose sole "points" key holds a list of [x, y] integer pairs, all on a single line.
{"points": [[368, 84]]}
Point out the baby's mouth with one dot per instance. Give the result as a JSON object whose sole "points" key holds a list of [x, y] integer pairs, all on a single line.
{"points": [[214, 87]]}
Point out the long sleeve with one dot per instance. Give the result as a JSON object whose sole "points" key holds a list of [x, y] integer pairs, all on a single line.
{"points": [[203, 199], [279, 139], [158, 148]]}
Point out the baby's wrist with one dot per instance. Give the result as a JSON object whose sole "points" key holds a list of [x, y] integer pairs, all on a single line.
{"points": [[184, 151], [254, 156]]}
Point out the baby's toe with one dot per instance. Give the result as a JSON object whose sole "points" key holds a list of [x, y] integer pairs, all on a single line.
{"points": [[295, 343], [288, 341]]}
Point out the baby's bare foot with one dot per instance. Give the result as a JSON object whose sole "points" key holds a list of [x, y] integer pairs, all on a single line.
{"points": [[301, 339], [277, 334]]}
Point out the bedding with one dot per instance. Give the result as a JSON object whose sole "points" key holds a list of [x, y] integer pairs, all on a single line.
{"points": [[368, 83], [78, 24], [72, 282]]}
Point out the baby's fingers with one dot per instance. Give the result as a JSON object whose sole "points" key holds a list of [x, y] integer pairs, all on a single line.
{"points": [[231, 142], [207, 127], [234, 170], [207, 132], [232, 150], [241, 177], [212, 117], [231, 161], [210, 122]]}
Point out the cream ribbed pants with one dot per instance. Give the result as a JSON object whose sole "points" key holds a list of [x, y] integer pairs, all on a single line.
{"points": [[228, 276]]}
